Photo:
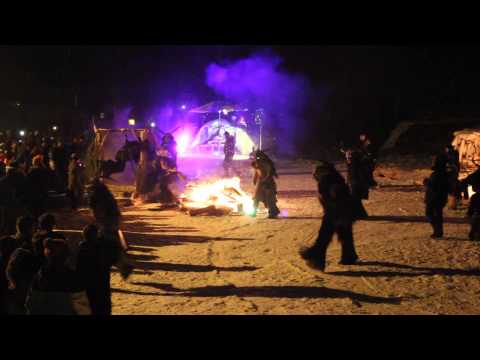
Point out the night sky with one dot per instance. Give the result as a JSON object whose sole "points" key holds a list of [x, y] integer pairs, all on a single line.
{"points": [[354, 87]]}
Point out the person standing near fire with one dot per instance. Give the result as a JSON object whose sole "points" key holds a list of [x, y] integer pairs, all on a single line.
{"points": [[229, 151], [265, 185]]}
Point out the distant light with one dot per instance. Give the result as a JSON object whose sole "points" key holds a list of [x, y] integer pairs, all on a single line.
{"points": [[234, 118], [22, 133], [183, 142], [245, 109], [54, 128], [225, 112], [152, 124], [18, 104], [131, 122], [183, 107]]}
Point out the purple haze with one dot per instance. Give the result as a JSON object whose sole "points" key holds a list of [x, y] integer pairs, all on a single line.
{"points": [[259, 82]]}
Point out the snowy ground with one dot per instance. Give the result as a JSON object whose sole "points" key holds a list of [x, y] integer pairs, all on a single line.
{"points": [[242, 265]]}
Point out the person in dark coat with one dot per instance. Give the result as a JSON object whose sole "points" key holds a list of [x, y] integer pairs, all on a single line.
{"points": [[473, 214], [8, 245], [169, 145], [96, 257], [12, 199], [21, 267], [108, 218], [436, 195], [229, 151], [369, 158], [358, 179], [265, 185], [453, 170], [60, 166], [339, 216], [46, 225], [37, 185], [56, 289], [76, 181]]}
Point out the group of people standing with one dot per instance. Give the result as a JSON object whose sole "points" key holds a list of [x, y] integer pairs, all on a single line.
{"points": [[36, 276], [31, 167]]}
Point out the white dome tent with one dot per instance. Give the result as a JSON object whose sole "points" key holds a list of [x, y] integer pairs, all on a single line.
{"points": [[210, 138]]}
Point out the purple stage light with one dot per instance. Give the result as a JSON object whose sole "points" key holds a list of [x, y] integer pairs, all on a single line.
{"points": [[183, 107], [152, 124], [225, 112]]}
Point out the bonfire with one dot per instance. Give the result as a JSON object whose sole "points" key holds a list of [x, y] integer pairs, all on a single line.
{"points": [[216, 197]]}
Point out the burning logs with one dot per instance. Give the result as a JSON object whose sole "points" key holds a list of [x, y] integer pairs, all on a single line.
{"points": [[216, 198]]}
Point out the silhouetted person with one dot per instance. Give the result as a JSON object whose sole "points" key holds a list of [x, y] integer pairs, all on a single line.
{"points": [[56, 289], [37, 185], [59, 159], [108, 218], [21, 267], [338, 218], [358, 179], [12, 199], [76, 181], [265, 185], [170, 146], [229, 151], [96, 257], [436, 195], [46, 225], [8, 245], [369, 158]]}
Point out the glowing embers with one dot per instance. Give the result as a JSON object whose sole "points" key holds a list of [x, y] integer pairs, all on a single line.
{"points": [[220, 197]]}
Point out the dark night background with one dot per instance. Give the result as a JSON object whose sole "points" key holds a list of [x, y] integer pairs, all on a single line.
{"points": [[356, 88]]}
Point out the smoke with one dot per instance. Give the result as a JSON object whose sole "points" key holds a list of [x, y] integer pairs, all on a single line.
{"points": [[259, 82]]}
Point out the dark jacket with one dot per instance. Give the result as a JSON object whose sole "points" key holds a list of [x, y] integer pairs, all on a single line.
{"points": [[38, 239], [57, 291], [21, 269], [437, 188], [334, 195], [95, 259], [358, 174]]}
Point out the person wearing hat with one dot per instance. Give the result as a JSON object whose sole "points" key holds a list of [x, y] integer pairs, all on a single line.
{"points": [[339, 216], [436, 194]]}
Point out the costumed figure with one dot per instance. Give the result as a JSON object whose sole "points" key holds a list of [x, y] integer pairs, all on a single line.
{"points": [[265, 185], [436, 195], [453, 170], [339, 216], [358, 179], [229, 151]]}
